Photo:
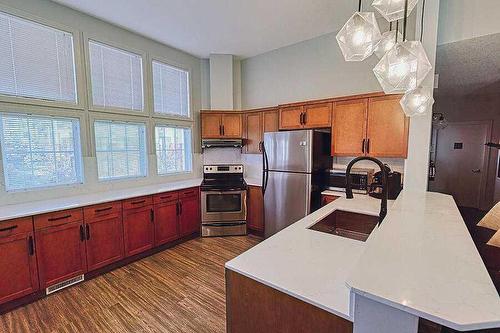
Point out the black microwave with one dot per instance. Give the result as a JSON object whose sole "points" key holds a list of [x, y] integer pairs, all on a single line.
{"points": [[360, 180]]}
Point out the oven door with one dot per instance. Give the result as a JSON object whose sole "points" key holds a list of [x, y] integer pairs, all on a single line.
{"points": [[221, 206]]}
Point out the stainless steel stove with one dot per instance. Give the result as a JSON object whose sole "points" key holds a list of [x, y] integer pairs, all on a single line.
{"points": [[223, 200]]}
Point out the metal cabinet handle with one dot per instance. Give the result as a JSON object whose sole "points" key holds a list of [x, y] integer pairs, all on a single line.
{"points": [[103, 209], [59, 218], [363, 146], [180, 207], [87, 227], [368, 146], [31, 246], [476, 170], [12, 227], [152, 215], [82, 233], [138, 202], [305, 117], [223, 130]]}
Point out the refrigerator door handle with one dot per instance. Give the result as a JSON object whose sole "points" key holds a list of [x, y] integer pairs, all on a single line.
{"points": [[265, 171]]}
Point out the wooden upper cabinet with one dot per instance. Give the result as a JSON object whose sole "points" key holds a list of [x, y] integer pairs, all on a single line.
{"points": [[211, 126], [253, 132], [349, 128], [232, 127], [387, 129], [317, 115], [291, 117], [271, 121], [216, 125]]}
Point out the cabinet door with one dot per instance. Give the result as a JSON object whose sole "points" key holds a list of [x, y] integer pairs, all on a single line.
{"points": [[60, 253], [166, 222], [290, 117], [104, 240], [271, 121], [349, 128], [387, 131], [255, 216], [211, 126], [189, 221], [253, 132], [318, 115], [17, 266], [138, 230], [232, 126]]}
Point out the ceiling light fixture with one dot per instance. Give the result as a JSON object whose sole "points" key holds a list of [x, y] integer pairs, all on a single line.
{"points": [[359, 37], [393, 10], [417, 102], [387, 42]]}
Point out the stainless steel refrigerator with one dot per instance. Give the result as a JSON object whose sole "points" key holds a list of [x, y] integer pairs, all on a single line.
{"points": [[294, 169]]}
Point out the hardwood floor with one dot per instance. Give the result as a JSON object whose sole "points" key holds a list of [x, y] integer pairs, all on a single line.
{"points": [[178, 290]]}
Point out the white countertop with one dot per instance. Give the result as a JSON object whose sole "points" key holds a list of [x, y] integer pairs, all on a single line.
{"points": [[310, 265], [8, 212], [421, 260]]}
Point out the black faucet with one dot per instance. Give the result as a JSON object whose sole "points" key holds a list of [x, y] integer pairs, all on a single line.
{"points": [[348, 187]]}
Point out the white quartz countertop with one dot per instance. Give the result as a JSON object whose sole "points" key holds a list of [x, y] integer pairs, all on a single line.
{"points": [[8, 212], [310, 265]]}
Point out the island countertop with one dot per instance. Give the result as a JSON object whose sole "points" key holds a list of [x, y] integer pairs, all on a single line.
{"points": [[421, 260]]}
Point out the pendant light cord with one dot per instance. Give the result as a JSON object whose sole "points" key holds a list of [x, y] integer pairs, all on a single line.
{"points": [[422, 21], [405, 20], [397, 30], [359, 6]]}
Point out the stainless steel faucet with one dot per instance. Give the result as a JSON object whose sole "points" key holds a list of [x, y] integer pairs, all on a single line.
{"points": [[348, 187]]}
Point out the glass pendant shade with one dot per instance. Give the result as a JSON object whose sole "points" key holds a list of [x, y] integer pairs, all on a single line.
{"points": [[387, 42], [393, 10], [359, 36], [417, 102], [403, 67]]}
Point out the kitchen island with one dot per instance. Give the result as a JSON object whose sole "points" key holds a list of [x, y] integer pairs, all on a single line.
{"points": [[420, 263]]}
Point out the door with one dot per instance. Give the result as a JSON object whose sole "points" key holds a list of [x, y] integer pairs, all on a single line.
{"points": [[138, 230], [318, 115], [286, 199], [461, 159], [166, 222], [60, 253], [349, 128], [253, 135], [17, 260], [211, 126], [255, 216], [189, 213], [271, 121], [231, 126], [291, 117], [220, 206], [289, 151], [104, 240], [387, 128]]}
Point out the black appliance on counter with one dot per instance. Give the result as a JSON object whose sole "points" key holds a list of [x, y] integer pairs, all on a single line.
{"points": [[394, 185]]}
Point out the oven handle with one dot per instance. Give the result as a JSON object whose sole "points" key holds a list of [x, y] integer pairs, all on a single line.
{"points": [[231, 224]]}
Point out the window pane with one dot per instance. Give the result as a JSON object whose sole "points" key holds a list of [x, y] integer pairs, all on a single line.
{"points": [[170, 90], [173, 149], [36, 61], [40, 151], [116, 77], [120, 150]]}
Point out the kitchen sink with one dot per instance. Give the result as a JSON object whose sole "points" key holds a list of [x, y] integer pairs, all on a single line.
{"points": [[347, 224]]}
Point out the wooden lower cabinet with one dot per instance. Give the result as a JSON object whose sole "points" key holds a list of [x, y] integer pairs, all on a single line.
{"points": [[189, 214], [255, 208], [138, 229], [18, 268], [166, 222]]}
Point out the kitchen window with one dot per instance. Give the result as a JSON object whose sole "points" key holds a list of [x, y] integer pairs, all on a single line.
{"points": [[120, 149], [173, 149], [36, 61], [116, 77], [40, 151], [170, 90]]}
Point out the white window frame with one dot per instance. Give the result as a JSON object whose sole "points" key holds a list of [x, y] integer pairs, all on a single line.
{"points": [[190, 89], [77, 56], [122, 119], [47, 112], [146, 77], [175, 125]]}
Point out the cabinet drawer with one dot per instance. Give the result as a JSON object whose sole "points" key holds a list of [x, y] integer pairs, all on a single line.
{"points": [[99, 210], [189, 192], [58, 218], [15, 227], [166, 197], [137, 202]]}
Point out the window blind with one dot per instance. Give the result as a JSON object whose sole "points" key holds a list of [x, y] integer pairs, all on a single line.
{"points": [[173, 149], [120, 150], [116, 77], [170, 90], [36, 61], [40, 151]]}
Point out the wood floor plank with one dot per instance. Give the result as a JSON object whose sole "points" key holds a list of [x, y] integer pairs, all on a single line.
{"points": [[181, 289]]}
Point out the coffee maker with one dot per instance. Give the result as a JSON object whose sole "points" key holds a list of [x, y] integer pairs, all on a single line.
{"points": [[394, 185]]}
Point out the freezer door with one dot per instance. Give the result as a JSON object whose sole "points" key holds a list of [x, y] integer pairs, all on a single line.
{"points": [[286, 200], [289, 151]]}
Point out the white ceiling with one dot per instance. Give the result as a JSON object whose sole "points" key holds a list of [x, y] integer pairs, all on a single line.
{"points": [[240, 27]]}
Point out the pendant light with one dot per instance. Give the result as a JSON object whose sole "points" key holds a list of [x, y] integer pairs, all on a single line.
{"points": [[417, 102], [404, 67], [387, 42], [359, 36], [393, 10]]}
